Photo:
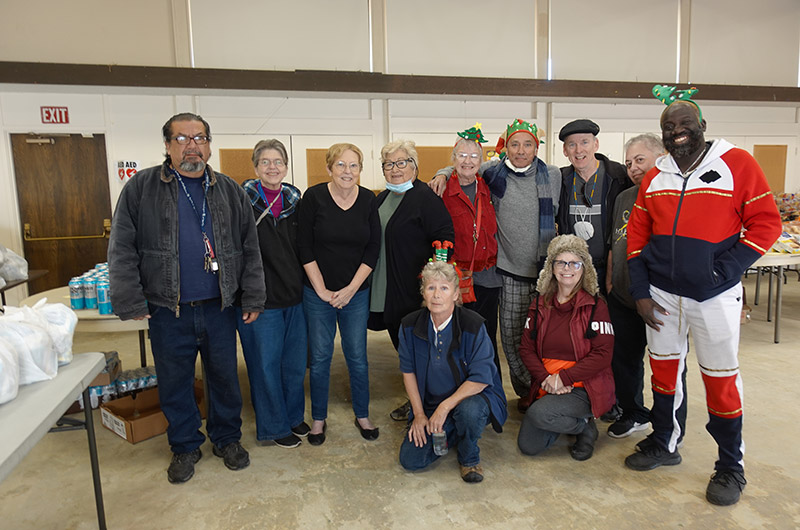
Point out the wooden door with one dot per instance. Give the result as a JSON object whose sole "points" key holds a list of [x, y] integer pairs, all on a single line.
{"points": [[64, 204]]}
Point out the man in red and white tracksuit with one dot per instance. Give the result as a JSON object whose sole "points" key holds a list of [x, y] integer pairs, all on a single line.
{"points": [[687, 251]]}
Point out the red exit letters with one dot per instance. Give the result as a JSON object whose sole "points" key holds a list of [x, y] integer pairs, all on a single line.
{"points": [[55, 114]]}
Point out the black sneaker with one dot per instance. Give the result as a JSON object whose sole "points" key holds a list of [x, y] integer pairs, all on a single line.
{"points": [[652, 456], [401, 412], [612, 415], [301, 430], [181, 468], [648, 441], [624, 427], [725, 487], [235, 456], [288, 442], [584, 443]]}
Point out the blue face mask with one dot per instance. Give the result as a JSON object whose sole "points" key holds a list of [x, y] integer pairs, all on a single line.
{"points": [[400, 188]]}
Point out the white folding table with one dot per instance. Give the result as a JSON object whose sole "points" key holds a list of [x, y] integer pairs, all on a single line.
{"points": [[38, 406]]}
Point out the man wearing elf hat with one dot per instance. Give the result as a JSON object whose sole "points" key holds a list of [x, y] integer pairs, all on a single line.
{"points": [[686, 254], [525, 192], [590, 187]]}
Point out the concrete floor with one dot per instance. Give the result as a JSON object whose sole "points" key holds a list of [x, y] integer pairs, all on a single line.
{"points": [[352, 483]]}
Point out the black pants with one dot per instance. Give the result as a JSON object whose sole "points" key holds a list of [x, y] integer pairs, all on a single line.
{"points": [[630, 341], [485, 304]]}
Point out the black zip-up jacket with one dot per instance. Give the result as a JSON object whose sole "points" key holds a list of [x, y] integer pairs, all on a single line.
{"points": [[615, 182]]}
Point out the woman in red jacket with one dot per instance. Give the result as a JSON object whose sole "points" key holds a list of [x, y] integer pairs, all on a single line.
{"points": [[567, 346], [469, 203]]}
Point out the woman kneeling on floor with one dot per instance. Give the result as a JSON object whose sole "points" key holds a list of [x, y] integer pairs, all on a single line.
{"points": [[567, 346], [449, 373]]}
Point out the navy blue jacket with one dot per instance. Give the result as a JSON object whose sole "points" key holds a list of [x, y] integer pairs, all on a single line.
{"points": [[471, 357]]}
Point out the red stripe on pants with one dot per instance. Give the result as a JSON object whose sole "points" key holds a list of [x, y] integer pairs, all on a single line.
{"points": [[722, 396], [665, 375]]}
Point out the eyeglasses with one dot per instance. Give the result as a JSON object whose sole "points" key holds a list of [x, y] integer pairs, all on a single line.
{"points": [[266, 163], [401, 164], [574, 265], [341, 166], [199, 139], [464, 156]]}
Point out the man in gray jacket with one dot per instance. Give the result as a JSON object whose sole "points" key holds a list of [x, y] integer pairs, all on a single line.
{"points": [[183, 250]]}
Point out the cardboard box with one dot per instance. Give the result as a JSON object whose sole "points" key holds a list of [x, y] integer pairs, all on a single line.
{"points": [[141, 418], [110, 372]]}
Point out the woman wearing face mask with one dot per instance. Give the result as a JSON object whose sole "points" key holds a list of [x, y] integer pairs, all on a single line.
{"points": [[412, 218]]}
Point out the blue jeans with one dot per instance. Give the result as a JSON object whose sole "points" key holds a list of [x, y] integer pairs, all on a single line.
{"points": [[463, 427], [275, 349], [352, 318], [175, 342]]}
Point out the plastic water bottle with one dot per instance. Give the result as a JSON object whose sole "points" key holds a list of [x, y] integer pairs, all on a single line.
{"points": [[439, 443]]}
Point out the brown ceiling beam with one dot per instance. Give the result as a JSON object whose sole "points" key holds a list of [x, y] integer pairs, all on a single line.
{"points": [[324, 81]]}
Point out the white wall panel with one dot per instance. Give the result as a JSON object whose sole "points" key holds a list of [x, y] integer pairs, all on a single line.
{"points": [[491, 38], [744, 42], [297, 35], [134, 133], [88, 31], [24, 110], [614, 40]]}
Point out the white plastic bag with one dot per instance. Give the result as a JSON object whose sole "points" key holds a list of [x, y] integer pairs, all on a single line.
{"points": [[9, 372], [38, 360], [12, 265], [61, 322]]}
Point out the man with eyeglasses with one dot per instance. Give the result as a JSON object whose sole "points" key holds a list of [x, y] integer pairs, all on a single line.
{"points": [[183, 250], [525, 194], [590, 185]]}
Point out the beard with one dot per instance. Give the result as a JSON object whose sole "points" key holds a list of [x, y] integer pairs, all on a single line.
{"points": [[192, 167], [694, 144]]}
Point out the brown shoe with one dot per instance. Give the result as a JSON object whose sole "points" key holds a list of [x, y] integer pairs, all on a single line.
{"points": [[472, 474]]}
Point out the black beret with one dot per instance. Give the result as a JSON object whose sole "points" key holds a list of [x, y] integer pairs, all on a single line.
{"points": [[577, 127]]}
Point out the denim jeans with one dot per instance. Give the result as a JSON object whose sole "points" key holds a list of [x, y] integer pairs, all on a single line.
{"points": [[463, 427], [175, 342], [352, 319], [275, 349], [552, 415]]}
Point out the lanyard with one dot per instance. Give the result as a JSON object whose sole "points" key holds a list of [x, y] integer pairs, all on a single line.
{"points": [[264, 197], [210, 261], [575, 187], [200, 217]]}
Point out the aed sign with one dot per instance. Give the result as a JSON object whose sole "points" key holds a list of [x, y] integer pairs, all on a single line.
{"points": [[55, 114], [127, 168]]}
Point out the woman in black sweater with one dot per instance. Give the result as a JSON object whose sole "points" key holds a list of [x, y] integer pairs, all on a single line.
{"points": [[338, 239]]}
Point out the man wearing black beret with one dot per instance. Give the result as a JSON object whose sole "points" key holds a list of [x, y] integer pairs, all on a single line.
{"points": [[589, 187]]}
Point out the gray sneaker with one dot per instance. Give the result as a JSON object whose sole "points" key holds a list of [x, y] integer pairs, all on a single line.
{"points": [[235, 456], [651, 457], [181, 468]]}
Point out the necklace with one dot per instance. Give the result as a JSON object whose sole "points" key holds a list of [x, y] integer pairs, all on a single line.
{"points": [[696, 162]]}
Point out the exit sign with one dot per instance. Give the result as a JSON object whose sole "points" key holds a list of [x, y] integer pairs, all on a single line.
{"points": [[55, 114]]}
